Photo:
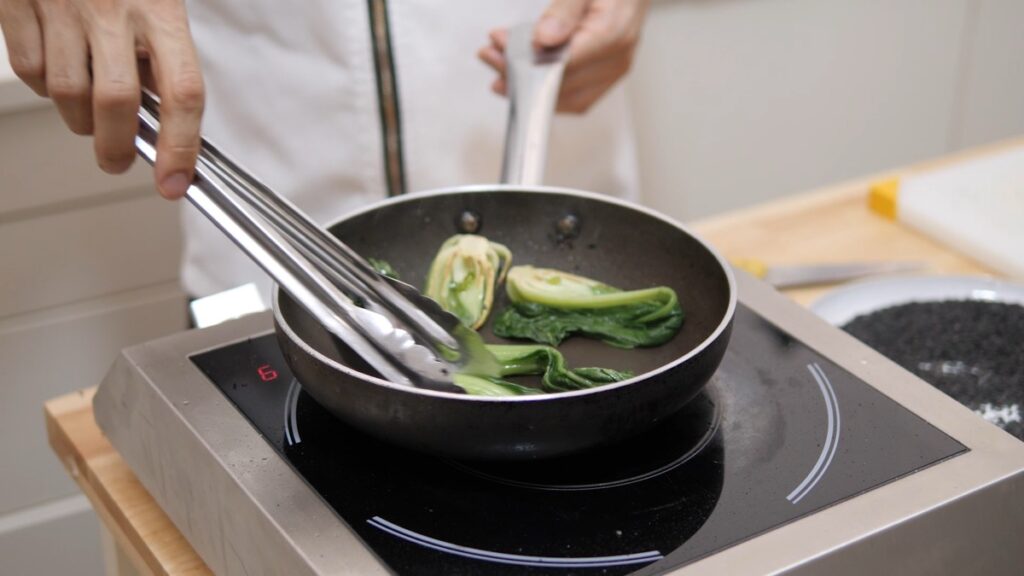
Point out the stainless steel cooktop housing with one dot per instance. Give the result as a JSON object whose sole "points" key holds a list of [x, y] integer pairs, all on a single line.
{"points": [[245, 510]]}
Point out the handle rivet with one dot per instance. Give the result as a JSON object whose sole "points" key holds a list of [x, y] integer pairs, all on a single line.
{"points": [[468, 222], [568, 226]]}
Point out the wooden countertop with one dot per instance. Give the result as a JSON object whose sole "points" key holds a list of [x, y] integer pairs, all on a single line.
{"points": [[829, 225]]}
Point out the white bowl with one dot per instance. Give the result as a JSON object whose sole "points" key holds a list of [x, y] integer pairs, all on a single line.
{"points": [[844, 304]]}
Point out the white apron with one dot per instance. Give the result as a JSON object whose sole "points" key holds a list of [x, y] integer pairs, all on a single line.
{"points": [[292, 95]]}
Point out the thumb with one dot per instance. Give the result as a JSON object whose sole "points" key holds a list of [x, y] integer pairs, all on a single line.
{"points": [[559, 21]]}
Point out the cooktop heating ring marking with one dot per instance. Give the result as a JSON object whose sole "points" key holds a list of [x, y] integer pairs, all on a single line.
{"points": [[709, 434], [516, 559], [828, 448], [291, 421]]}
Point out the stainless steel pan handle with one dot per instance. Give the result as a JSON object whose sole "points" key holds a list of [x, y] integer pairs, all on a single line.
{"points": [[534, 79]]}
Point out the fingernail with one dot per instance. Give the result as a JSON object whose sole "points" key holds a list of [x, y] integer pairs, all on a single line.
{"points": [[551, 29], [175, 185]]}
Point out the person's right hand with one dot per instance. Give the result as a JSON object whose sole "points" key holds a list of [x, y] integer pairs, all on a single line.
{"points": [[89, 55]]}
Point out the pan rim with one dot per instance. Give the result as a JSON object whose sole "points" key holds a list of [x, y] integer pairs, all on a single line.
{"points": [[722, 326]]}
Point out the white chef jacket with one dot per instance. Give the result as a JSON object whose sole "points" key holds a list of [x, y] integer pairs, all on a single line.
{"points": [[292, 96]]}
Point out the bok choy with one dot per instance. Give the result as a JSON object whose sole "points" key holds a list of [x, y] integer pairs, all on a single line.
{"points": [[550, 305], [524, 360], [383, 267], [464, 274], [533, 359]]}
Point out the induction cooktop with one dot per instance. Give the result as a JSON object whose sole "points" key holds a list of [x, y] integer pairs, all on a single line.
{"points": [[806, 451]]}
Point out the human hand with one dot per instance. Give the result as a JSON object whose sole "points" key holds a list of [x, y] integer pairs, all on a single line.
{"points": [[88, 56], [603, 35]]}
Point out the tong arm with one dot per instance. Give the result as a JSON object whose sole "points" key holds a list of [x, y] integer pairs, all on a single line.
{"points": [[295, 253]]}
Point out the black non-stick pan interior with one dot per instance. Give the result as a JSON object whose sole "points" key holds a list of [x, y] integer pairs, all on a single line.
{"points": [[620, 245]]}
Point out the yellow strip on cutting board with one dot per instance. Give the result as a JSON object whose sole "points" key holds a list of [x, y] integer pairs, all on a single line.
{"points": [[883, 198]]}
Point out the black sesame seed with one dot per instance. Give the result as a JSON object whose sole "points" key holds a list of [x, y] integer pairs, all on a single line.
{"points": [[971, 350]]}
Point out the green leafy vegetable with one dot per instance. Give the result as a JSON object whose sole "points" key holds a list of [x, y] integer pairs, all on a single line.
{"points": [[532, 359], [467, 258], [519, 360], [486, 386], [383, 267], [463, 276], [550, 305]]}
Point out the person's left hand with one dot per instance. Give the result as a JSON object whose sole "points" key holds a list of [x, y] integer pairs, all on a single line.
{"points": [[603, 35]]}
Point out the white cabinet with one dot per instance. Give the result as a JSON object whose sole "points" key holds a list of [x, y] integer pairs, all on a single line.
{"points": [[58, 538], [992, 89], [742, 101], [88, 265], [87, 253], [46, 354]]}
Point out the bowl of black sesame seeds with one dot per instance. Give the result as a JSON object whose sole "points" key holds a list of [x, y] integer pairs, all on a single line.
{"points": [[964, 335]]}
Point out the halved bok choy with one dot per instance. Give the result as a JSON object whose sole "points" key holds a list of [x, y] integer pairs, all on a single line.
{"points": [[534, 359], [464, 275], [550, 305]]}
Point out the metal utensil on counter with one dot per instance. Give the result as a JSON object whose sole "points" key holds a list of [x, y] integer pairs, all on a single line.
{"points": [[401, 333], [813, 274]]}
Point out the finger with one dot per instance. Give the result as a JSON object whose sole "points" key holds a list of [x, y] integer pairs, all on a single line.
{"points": [[115, 97], [610, 68], [179, 81], [500, 86], [499, 38], [581, 100], [582, 87], [24, 40], [589, 47], [606, 34], [490, 56], [559, 21], [67, 66]]}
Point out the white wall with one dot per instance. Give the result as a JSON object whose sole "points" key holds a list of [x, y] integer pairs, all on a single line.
{"points": [[742, 101], [992, 101]]}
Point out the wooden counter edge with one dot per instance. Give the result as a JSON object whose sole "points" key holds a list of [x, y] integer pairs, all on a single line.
{"points": [[83, 450]]}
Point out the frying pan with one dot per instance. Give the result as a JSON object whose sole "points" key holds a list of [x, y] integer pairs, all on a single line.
{"points": [[619, 243]]}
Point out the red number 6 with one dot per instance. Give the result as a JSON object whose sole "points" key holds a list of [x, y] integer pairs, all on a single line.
{"points": [[267, 374]]}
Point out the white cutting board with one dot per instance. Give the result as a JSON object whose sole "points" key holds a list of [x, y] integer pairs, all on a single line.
{"points": [[975, 207]]}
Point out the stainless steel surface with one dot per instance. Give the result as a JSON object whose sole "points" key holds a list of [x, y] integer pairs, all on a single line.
{"points": [[793, 276], [242, 508], [534, 79], [246, 512], [403, 335]]}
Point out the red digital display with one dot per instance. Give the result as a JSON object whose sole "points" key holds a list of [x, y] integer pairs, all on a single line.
{"points": [[267, 373]]}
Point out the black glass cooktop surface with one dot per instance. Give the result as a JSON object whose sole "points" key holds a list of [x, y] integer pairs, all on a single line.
{"points": [[779, 433]]}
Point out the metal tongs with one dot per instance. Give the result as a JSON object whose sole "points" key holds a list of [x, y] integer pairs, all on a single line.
{"points": [[407, 337]]}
